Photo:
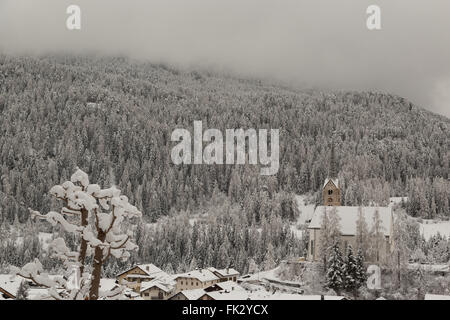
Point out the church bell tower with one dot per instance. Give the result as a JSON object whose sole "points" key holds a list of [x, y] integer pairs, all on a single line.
{"points": [[331, 192]]}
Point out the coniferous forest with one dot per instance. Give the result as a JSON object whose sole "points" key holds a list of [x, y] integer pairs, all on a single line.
{"points": [[113, 118]]}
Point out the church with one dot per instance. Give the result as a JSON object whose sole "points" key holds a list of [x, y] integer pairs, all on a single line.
{"points": [[348, 216]]}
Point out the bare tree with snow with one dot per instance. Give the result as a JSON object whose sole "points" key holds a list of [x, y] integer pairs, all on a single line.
{"points": [[95, 215]]}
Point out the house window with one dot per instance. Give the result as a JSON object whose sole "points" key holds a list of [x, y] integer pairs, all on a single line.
{"points": [[181, 282], [330, 192]]}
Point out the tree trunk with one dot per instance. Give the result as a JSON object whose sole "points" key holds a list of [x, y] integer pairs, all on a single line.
{"points": [[83, 245], [398, 269], [97, 271]]}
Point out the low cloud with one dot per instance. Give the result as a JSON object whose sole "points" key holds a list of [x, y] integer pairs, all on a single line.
{"points": [[309, 43]]}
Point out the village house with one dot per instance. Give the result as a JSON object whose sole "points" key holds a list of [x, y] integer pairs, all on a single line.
{"points": [[155, 290], [196, 279], [205, 294], [227, 274], [227, 285], [348, 217], [135, 276]]}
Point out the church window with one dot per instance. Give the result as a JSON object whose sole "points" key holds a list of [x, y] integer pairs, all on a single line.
{"points": [[330, 192]]}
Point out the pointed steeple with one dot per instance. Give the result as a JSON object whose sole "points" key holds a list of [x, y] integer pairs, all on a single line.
{"points": [[333, 167]]}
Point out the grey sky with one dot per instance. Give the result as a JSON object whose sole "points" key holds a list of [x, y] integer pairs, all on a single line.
{"points": [[309, 43]]}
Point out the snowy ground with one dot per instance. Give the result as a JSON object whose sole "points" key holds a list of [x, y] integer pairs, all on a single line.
{"points": [[306, 213], [430, 228]]}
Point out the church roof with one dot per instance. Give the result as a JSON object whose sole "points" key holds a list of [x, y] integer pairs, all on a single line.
{"points": [[349, 216], [335, 182]]}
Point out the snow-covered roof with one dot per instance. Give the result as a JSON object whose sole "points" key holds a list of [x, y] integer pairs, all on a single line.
{"points": [[155, 283], [202, 275], [335, 182], [227, 272], [150, 269], [140, 276], [131, 293], [229, 295], [349, 216], [436, 297], [107, 284], [229, 286], [193, 294]]}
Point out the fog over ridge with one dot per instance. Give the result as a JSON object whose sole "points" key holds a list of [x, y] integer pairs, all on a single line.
{"points": [[308, 43]]}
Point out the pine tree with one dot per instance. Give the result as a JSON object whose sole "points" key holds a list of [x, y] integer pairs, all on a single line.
{"points": [[361, 271], [333, 169], [324, 240], [252, 266], [193, 264], [362, 233], [377, 240], [269, 260], [400, 254], [351, 281], [335, 273]]}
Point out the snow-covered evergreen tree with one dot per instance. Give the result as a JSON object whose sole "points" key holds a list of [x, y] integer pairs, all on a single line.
{"points": [[377, 239], [269, 260], [330, 233], [336, 270], [252, 266], [361, 274], [400, 254], [362, 236], [351, 271]]}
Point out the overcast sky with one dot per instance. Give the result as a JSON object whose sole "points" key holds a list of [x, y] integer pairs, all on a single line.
{"points": [[308, 43]]}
